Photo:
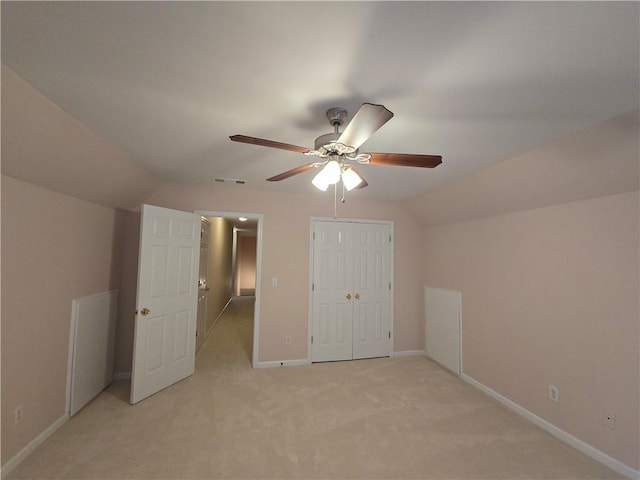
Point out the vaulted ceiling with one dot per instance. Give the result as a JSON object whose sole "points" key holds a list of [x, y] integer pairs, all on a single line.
{"points": [[475, 82]]}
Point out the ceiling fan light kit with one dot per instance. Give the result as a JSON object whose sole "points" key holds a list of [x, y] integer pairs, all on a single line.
{"points": [[334, 171], [337, 151], [350, 179], [329, 175]]}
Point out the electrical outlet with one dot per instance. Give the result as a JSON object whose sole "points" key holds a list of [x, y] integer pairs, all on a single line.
{"points": [[554, 393], [396, 333], [18, 414], [609, 420], [287, 340]]}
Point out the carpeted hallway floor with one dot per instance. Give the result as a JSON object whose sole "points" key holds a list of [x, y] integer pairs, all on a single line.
{"points": [[369, 419]]}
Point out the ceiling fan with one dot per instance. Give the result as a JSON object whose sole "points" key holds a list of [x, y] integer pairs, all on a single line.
{"points": [[337, 152]]}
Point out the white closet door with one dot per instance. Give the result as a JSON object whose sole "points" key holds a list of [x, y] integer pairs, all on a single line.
{"points": [[371, 291], [351, 297], [332, 304]]}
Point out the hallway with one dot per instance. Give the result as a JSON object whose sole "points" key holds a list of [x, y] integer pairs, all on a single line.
{"points": [[230, 343]]}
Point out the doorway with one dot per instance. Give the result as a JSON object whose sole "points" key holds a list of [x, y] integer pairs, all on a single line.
{"points": [[229, 256], [244, 260]]}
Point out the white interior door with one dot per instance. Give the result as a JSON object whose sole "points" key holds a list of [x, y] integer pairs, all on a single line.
{"points": [[165, 338], [371, 291], [332, 324], [351, 313]]}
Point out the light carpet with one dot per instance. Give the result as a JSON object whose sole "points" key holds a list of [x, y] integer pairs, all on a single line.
{"points": [[402, 418]]}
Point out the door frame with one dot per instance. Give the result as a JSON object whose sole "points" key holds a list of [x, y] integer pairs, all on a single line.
{"points": [[312, 223], [256, 310]]}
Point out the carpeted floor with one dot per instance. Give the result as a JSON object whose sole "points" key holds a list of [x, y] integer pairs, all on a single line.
{"points": [[370, 419]]}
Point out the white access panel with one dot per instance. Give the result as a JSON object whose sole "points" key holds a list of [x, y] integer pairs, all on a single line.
{"points": [[92, 341], [443, 327]]}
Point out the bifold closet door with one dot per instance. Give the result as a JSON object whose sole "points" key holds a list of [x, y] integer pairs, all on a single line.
{"points": [[351, 291]]}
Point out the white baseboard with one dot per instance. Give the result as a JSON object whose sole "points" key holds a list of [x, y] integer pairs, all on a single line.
{"points": [[282, 363], [217, 318], [408, 353], [19, 457], [122, 376], [576, 443], [306, 361]]}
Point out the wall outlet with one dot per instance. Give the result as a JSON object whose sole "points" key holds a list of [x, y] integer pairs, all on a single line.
{"points": [[609, 420], [396, 333], [18, 413], [287, 340], [554, 393]]}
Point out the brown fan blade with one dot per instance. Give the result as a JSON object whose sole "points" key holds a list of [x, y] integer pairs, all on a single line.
{"points": [[367, 120], [268, 143], [291, 173], [364, 183], [405, 160]]}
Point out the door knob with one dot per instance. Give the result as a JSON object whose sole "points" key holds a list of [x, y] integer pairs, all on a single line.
{"points": [[145, 311], [357, 295], [348, 295]]}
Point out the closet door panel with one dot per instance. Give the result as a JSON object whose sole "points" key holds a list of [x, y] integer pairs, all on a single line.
{"points": [[332, 310], [371, 287]]}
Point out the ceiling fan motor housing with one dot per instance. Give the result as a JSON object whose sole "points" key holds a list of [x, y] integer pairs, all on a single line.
{"points": [[327, 141]]}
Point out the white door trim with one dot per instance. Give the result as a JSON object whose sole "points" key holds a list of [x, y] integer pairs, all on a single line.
{"points": [[312, 223], [256, 311]]}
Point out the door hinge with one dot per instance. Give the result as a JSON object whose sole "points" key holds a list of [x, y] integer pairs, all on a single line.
{"points": [[389, 285], [313, 287], [311, 338], [314, 235], [389, 333]]}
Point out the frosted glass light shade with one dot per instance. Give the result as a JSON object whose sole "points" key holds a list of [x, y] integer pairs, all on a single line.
{"points": [[329, 175], [350, 179]]}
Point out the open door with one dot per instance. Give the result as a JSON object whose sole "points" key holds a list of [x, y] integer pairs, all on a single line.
{"points": [[166, 308]]}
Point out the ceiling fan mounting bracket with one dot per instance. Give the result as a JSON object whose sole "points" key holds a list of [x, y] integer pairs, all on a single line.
{"points": [[336, 116]]}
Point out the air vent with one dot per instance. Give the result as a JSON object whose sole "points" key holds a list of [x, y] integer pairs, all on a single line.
{"points": [[229, 180]]}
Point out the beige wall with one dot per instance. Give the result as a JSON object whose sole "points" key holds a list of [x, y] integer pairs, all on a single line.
{"points": [[54, 248], [550, 296], [128, 294], [219, 269], [246, 263]]}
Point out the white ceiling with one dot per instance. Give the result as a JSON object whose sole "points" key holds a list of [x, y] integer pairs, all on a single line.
{"points": [[475, 82]]}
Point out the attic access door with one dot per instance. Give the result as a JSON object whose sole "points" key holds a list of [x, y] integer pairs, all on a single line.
{"points": [[351, 290], [166, 308]]}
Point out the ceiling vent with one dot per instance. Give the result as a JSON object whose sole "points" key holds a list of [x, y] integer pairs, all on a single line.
{"points": [[229, 180]]}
